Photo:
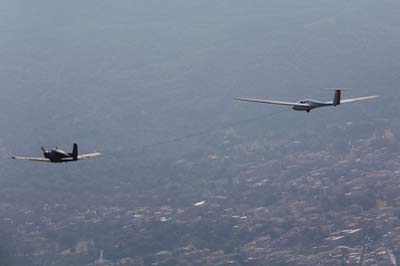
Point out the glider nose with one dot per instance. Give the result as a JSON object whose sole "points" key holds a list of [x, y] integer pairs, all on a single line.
{"points": [[297, 108]]}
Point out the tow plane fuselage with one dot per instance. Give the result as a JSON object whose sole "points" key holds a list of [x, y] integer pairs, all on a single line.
{"points": [[58, 156]]}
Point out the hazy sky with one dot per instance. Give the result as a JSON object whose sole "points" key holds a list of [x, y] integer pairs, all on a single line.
{"points": [[113, 73]]}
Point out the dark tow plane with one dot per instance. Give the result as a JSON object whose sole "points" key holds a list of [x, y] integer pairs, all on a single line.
{"points": [[307, 105], [59, 156]]}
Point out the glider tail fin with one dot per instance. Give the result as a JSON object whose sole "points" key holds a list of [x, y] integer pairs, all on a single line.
{"points": [[337, 98], [75, 152]]}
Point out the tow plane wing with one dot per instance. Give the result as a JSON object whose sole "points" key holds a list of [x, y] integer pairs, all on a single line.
{"points": [[88, 155], [36, 159]]}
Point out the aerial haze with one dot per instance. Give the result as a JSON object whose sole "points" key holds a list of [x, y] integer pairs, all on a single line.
{"points": [[188, 176]]}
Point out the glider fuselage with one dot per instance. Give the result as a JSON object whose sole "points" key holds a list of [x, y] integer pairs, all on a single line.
{"points": [[310, 104]]}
